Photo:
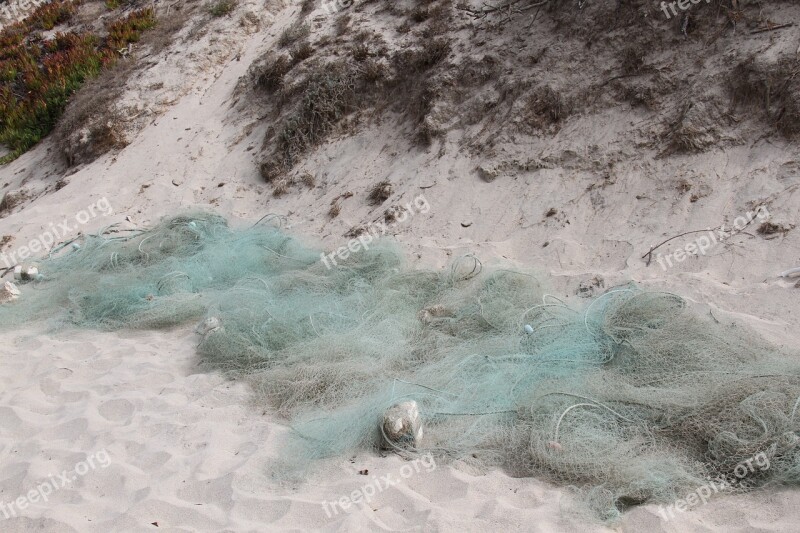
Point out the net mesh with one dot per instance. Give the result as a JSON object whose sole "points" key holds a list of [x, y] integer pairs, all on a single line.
{"points": [[632, 398]]}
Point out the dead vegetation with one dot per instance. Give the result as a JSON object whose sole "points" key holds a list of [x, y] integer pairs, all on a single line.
{"points": [[544, 108], [317, 93], [694, 130], [308, 180], [11, 200], [380, 193], [772, 230], [93, 122], [292, 34], [221, 8], [435, 73], [772, 88]]}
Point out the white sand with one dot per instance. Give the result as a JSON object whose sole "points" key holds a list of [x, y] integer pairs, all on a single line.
{"points": [[187, 450]]}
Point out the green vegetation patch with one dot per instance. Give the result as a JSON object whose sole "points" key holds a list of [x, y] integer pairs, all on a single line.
{"points": [[38, 75]]}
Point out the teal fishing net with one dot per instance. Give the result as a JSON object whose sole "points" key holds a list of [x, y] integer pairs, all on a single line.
{"points": [[631, 398]]}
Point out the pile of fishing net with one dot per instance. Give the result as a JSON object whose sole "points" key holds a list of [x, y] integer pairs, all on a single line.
{"points": [[631, 398]]}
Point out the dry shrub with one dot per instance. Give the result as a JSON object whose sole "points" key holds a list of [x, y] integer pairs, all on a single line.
{"points": [[423, 57], [12, 199], [222, 8], [307, 6], [632, 59], [416, 90], [270, 170], [363, 36], [544, 107], [308, 180], [419, 14], [331, 91], [327, 96], [770, 228], [91, 124], [293, 33], [301, 51], [355, 232], [268, 72], [360, 51], [281, 188], [695, 129], [325, 92], [101, 132], [342, 25], [374, 72], [639, 95], [380, 193], [771, 87], [476, 72], [633, 18], [439, 21]]}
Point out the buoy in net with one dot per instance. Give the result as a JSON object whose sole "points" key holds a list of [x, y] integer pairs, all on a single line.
{"points": [[26, 272], [402, 426], [208, 326]]}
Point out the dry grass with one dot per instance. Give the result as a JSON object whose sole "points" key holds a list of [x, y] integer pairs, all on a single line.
{"points": [[270, 171], [769, 228], [281, 187], [380, 193], [92, 124], [269, 72], [292, 34], [545, 107], [771, 88], [307, 6], [301, 51], [695, 129], [222, 8], [10, 200], [329, 94], [355, 232], [308, 180], [342, 25], [317, 96]]}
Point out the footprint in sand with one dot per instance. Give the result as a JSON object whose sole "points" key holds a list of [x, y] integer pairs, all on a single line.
{"points": [[117, 411], [61, 373]]}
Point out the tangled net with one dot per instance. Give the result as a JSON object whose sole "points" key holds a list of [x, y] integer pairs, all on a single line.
{"points": [[635, 398]]}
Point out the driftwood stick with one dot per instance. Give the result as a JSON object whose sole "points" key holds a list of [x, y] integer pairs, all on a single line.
{"points": [[772, 28]]}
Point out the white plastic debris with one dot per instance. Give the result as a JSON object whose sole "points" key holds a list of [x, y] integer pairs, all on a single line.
{"points": [[26, 272], [8, 292], [528, 329], [402, 426], [209, 325], [790, 273]]}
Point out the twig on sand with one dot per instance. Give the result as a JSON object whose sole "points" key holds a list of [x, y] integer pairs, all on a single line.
{"points": [[772, 28], [649, 254]]}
